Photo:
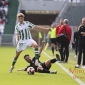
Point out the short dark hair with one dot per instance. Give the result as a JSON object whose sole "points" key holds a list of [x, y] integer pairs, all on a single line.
{"points": [[26, 55], [65, 21]]}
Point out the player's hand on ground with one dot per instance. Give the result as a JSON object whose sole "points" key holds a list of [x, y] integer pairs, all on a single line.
{"points": [[21, 69]]}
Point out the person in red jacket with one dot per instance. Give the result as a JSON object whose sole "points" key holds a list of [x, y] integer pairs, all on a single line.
{"points": [[65, 29], [59, 26]]}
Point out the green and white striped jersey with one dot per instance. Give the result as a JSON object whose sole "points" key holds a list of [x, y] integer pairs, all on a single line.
{"points": [[24, 30]]}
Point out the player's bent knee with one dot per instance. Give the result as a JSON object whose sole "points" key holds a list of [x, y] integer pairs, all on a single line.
{"points": [[36, 45], [47, 63], [39, 69]]}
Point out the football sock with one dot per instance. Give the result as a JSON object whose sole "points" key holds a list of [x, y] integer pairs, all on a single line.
{"points": [[64, 54], [36, 53], [45, 70], [53, 60], [53, 50], [14, 61]]}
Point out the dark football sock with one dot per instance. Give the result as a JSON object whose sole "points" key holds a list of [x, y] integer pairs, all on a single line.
{"points": [[46, 71], [53, 60], [64, 54], [53, 50], [14, 61]]}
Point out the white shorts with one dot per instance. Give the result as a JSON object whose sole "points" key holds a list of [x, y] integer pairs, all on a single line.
{"points": [[22, 45]]}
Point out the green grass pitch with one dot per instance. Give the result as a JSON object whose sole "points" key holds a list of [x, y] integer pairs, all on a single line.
{"points": [[22, 78]]}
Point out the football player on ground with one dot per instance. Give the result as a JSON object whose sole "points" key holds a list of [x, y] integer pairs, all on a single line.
{"points": [[45, 66]]}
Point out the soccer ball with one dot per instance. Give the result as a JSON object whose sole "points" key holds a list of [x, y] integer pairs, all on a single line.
{"points": [[30, 70]]}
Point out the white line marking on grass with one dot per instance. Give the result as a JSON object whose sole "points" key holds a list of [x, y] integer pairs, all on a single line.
{"points": [[76, 79]]}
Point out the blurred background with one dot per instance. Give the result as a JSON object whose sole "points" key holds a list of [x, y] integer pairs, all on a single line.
{"points": [[39, 12]]}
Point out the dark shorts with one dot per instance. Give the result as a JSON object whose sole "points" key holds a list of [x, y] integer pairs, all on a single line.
{"points": [[76, 44], [53, 40], [44, 66], [35, 67]]}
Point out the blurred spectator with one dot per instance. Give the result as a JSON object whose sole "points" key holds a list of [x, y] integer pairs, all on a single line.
{"points": [[0, 12], [3, 13], [5, 19], [1, 3], [0, 32], [3, 16], [6, 3], [1, 21]]}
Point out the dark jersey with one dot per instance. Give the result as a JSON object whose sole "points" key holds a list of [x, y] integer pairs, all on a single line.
{"points": [[81, 37], [32, 64], [44, 66], [76, 36]]}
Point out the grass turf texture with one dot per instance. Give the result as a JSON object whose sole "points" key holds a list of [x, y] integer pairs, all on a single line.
{"points": [[22, 78]]}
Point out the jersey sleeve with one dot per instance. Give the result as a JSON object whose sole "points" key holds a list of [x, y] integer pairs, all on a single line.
{"points": [[16, 29], [30, 25]]}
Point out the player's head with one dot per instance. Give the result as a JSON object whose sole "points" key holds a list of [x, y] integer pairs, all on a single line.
{"points": [[27, 58], [65, 21], [52, 25], [61, 21], [83, 21], [20, 17]]}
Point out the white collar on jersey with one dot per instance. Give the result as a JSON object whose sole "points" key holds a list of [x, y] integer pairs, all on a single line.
{"points": [[21, 24]]}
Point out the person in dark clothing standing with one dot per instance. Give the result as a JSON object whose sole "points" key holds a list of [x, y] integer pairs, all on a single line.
{"points": [[76, 40], [81, 44], [65, 44], [58, 27]]}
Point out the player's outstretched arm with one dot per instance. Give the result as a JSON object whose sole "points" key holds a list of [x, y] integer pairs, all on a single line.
{"points": [[23, 69], [42, 46], [41, 28]]}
